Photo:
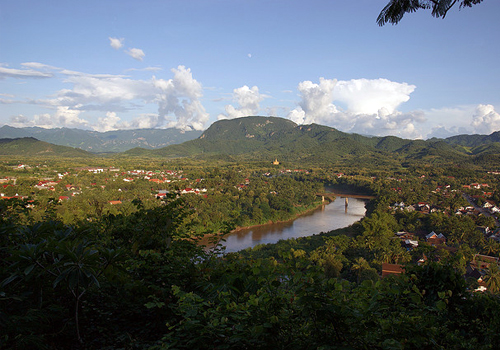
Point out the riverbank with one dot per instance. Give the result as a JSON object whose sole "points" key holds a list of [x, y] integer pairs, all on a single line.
{"points": [[205, 240], [294, 217], [322, 218]]}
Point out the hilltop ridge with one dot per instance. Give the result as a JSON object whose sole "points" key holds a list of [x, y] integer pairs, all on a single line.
{"points": [[261, 138]]}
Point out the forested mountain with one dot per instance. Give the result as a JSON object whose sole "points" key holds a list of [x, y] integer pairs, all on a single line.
{"points": [[100, 142], [266, 138], [29, 146], [474, 140]]}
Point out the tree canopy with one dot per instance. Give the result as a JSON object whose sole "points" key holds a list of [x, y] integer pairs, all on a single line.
{"points": [[394, 11]]}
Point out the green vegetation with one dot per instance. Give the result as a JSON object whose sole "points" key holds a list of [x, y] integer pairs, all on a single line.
{"points": [[32, 147], [264, 138], [104, 253]]}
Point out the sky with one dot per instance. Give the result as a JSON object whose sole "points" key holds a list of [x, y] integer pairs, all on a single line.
{"points": [[127, 64]]}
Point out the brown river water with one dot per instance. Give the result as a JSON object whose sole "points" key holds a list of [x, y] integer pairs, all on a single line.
{"points": [[328, 217]]}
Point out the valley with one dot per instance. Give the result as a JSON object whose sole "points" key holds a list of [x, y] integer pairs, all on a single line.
{"points": [[118, 241]]}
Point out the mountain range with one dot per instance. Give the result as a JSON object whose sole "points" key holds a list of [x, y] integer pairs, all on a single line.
{"points": [[103, 142], [267, 138]]}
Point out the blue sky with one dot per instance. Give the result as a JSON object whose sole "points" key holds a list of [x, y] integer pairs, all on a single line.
{"points": [[106, 65]]}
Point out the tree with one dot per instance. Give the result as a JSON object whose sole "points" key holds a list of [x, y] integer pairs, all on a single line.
{"points": [[394, 11], [359, 266], [492, 278], [50, 255]]}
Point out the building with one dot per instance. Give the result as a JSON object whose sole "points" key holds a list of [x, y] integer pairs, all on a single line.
{"points": [[391, 269]]}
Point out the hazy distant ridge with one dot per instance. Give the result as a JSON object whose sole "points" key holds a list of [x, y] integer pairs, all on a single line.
{"points": [[99, 142]]}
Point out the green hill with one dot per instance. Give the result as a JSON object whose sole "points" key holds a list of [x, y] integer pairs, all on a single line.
{"points": [[29, 146], [266, 138], [474, 140], [391, 143]]}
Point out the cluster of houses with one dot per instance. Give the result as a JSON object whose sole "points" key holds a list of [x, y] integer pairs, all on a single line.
{"points": [[5, 184], [476, 186], [421, 207], [158, 177], [410, 240], [475, 270], [287, 172]]}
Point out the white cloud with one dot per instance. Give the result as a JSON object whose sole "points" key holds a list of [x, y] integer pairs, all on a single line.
{"points": [[485, 120], [38, 65], [177, 100], [180, 96], [116, 43], [19, 121], [22, 73], [70, 118], [108, 123], [364, 96], [101, 91], [448, 121], [147, 121], [371, 106], [248, 100], [442, 132], [316, 105], [405, 125], [146, 69], [7, 100], [137, 54], [63, 117]]}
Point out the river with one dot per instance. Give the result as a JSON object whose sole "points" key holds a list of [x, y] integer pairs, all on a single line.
{"points": [[329, 217]]}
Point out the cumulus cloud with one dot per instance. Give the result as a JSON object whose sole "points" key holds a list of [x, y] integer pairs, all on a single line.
{"points": [[108, 123], [180, 96], [364, 96], [370, 106], [400, 124], [316, 105], [63, 117], [136, 54], [441, 131], [248, 100], [485, 120], [116, 43], [178, 101], [149, 121]]}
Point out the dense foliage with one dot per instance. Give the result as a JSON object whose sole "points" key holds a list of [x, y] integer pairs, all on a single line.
{"points": [[99, 254], [136, 282]]}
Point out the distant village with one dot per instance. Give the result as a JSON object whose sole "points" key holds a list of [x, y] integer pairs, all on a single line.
{"points": [[154, 176], [475, 269]]}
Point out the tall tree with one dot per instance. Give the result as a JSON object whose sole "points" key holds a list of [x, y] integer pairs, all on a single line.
{"points": [[492, 278], [394, 11]]}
